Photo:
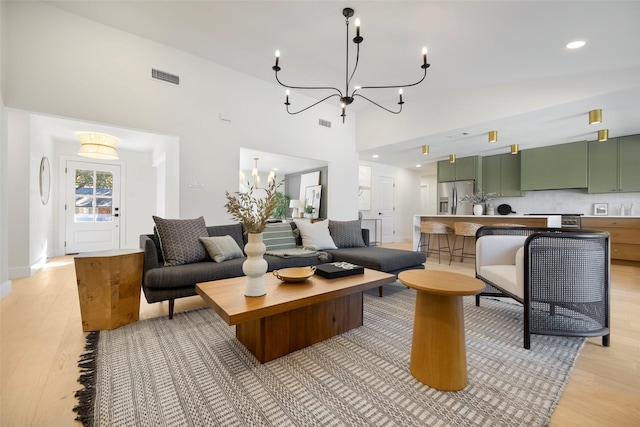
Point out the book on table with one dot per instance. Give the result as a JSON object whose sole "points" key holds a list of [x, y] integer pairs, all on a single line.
{"points": [[333, 270]]}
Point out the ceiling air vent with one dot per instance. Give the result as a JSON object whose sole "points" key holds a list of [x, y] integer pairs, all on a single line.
{"points": [[165, 77], [325, 123]]}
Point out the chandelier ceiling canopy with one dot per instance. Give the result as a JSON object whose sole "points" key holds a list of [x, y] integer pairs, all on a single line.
{"points": [[349, 94]]}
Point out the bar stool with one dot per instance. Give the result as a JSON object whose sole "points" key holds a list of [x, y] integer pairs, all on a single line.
{"points": [[431, 228], [464, 229]]}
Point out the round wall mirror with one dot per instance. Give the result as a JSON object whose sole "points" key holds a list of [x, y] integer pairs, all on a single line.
{"points": [[45, 180]]}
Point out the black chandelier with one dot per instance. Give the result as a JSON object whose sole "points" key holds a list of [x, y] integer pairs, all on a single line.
{"points": [[347, 98]]}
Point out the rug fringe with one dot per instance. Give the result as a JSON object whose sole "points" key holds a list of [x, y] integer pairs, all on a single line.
{"points": [[86, 396]]}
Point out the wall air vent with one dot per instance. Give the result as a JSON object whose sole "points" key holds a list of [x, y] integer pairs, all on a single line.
{"points": [[165, 77], [325, 123]]}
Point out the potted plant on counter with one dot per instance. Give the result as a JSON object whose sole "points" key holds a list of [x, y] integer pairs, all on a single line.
{"points": [[478, 199]]}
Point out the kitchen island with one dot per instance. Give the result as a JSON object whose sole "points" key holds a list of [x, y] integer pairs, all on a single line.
{"points": [[526, 220]]}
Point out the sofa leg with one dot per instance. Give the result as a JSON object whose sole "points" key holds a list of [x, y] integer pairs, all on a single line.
{"points": [[380, 291], [172, 304], [605, 340]]}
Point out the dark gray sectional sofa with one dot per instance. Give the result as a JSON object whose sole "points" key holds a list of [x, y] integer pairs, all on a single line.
{"points": [[166, 283]]}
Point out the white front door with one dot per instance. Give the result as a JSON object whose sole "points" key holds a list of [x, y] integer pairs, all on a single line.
{"points": [[92, 207], [387, 208]]}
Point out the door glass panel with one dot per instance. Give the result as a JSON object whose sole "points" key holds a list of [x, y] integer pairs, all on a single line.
{"points": [[104, 209], [93, 189]]}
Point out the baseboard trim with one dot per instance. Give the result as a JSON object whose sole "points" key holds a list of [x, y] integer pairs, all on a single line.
{"points": [[5, 288]]}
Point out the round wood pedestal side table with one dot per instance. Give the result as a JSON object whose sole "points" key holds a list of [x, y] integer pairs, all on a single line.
{"points": [[438, 350]]}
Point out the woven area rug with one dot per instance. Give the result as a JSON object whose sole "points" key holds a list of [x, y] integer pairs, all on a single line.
{"points": [[191, 371]]}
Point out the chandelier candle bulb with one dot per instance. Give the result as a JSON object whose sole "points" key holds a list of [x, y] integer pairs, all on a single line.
{"points": [[286, 94], [424, 56], [277, 57], [357, 27], [400, 93]]}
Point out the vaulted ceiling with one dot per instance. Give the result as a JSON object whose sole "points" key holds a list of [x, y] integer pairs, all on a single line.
{"points": [[495, 64]]}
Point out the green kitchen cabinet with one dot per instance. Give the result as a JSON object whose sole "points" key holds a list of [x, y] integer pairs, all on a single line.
{"points": [[467, 168], [501, 175], [629, 147], [446, 171], [613, 165], [462, 169], [554, 167]]}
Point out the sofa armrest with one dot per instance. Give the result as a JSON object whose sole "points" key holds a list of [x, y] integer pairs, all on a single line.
{"points": [[151, 259], [365, 236]]}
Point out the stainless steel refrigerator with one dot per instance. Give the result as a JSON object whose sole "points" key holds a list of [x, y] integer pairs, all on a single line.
{"points": [[449, 195]]}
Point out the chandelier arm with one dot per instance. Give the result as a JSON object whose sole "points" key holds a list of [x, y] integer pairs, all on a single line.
{"points": [[397, 86], [312, 105], [375, 103], [355, 67], [310, 87]]}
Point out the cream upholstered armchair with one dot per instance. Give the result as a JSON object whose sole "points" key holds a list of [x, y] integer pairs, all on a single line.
{"points": [[561, 277]]}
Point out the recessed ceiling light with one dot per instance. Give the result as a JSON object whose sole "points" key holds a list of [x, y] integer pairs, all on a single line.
{"points": [[375, 156], [418, 166], [576, 44]]}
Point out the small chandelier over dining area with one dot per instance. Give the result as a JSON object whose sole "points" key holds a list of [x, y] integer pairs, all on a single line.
{"points": [[256, 175], [349, 95]]}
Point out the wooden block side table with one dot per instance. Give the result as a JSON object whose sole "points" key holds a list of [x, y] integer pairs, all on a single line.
{"points": [[109, 284], [438, 349]]}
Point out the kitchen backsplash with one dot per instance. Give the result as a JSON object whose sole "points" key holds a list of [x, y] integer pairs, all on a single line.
{"points": [[574, 201]]}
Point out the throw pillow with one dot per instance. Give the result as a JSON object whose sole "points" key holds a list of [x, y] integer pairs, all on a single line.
{"points": [[179, 240], [278, 236], [346, 234], [222, 248], [315, 236]]}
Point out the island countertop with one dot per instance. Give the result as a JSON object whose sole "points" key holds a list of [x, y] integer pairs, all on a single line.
{"points": [[526, 220]]}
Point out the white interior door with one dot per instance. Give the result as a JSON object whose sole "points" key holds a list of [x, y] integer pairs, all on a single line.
{"points": [[92, 207], [387, 208]]}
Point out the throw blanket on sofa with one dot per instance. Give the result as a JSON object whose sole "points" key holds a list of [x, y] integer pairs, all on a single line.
{"points": [[297, 252]]}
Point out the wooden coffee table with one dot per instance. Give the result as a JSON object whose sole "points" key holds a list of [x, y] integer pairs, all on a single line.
{"points": [[438, 349], [291, 316]]}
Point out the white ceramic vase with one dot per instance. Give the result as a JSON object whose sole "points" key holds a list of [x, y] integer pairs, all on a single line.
{"points": [[255, 266], [478, 209]]}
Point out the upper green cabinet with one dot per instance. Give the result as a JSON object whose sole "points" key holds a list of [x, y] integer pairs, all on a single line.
{"points": [[613, 165], [463, 169], [554, 167], [501, 175]]}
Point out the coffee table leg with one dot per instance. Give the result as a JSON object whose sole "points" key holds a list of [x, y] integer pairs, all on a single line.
{"points": [[438, 352]]}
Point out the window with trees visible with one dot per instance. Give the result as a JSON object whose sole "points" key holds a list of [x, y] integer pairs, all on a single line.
{"points": [[94, 196]]}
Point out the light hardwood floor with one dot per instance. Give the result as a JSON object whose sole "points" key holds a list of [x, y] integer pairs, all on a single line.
{"points": [[42, 339]]}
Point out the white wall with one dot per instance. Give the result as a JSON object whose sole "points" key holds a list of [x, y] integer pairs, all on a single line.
{"points": [[18, 173], [98, 74], [5, 283], [407, 198], [84, 58]]}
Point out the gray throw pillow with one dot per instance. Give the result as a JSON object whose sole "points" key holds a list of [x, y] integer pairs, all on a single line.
{"points": [[222, 248], [179, 240], [346, 234], [278, 236]]}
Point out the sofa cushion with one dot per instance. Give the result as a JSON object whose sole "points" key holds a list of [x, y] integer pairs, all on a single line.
{"points": [[346, 234], [179, 240], [222, 248], [383, 259], [315, 235], [234, 230], [188, 275], [278, 236]]}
